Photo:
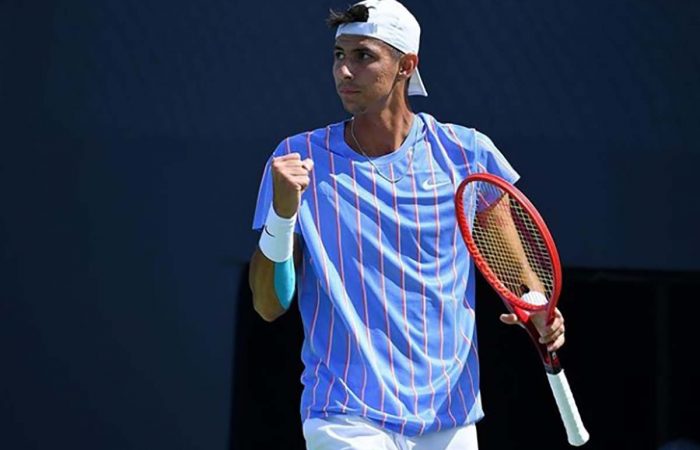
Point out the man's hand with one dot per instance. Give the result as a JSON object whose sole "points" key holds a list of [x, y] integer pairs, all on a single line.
{"points": [[552, 335], [290, 177]]}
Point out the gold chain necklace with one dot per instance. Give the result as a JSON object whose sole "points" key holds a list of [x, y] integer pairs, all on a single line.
{"points": [[410, 154]]}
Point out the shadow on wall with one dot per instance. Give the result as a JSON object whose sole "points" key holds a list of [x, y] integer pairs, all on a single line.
{"points": [[681, 444]]}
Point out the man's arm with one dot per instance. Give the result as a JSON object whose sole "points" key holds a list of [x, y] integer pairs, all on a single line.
{"points": [[551, 334], [499, 215], [272, 266], [261, 278]]}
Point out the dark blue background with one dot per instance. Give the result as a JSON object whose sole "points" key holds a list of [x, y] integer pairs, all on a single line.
{"points": [[133, 135]]}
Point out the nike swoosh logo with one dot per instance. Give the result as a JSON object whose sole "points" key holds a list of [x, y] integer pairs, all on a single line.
{"points": [[268, 231], [428, 184]]}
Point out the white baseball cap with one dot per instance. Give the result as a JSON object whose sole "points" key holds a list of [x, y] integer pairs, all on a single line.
{"points": [[391, 22]]}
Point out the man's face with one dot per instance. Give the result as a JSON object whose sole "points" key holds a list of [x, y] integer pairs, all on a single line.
{"points": [[365, 72]]}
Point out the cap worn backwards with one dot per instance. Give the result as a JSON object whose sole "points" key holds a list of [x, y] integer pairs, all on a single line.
{"points": [[391, 22]]}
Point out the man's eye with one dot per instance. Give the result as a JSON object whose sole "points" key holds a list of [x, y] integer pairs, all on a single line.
{"points": [[338, 55], [365, 56]]}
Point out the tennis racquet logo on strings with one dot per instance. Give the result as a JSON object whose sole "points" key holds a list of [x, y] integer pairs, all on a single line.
{"points": [[513, 249]]}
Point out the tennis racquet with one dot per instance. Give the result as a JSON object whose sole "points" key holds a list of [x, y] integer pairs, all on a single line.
{"points": [[513, 249]]}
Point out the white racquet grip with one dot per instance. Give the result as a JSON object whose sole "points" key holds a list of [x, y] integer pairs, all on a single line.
{"points": [[277, 238], [575, 431]]}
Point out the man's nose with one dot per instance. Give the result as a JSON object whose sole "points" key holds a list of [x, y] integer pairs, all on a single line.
{"points": [[344, 72]]}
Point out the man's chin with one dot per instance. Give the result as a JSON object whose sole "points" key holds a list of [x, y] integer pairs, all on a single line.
{"points": [[352, 107]]}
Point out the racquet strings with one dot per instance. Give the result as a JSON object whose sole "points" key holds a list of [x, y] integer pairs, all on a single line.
{"points": [[498, 221]]}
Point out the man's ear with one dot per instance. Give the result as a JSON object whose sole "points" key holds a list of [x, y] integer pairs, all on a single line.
{"points": [[408, 64]]}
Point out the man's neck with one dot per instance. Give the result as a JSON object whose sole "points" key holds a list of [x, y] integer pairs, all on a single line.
{"points": [[380, 133]]}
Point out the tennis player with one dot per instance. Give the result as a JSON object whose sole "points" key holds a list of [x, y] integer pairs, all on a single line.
{"points": [[358, 217]]}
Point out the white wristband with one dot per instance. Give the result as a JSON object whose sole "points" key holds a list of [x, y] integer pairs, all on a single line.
{"points": [[277, 237]]}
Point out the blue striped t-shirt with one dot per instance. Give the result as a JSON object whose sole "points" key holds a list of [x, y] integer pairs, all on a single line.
{"points": [[386, 286]]}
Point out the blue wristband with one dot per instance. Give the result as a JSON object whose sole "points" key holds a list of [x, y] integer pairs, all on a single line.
{"points": [[285, 278]]}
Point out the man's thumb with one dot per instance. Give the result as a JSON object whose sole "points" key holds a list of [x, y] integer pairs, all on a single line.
{"points": [[308, 164], [509, 319]]}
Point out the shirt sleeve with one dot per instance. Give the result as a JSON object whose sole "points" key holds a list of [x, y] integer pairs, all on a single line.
{"points": [[493, 161], [264, 197]]}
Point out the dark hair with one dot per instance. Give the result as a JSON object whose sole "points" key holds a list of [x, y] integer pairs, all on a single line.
{"points": [[356, 13]]}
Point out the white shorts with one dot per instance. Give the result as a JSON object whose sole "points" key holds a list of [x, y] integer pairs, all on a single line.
{"points": [[355, 433]]}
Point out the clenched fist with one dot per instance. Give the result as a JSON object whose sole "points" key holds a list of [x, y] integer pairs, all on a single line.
{"points": [[290, 177]]}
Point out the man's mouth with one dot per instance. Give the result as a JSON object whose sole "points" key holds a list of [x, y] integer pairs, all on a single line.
{"points": [[347, 90]]}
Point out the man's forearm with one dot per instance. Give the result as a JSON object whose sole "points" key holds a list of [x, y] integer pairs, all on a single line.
{"points": [[500, 216], [261, 278]]}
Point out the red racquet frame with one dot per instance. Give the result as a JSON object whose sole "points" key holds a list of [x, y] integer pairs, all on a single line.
{"points": [[514, 304]]}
